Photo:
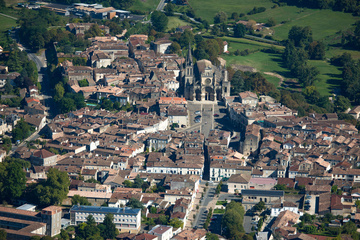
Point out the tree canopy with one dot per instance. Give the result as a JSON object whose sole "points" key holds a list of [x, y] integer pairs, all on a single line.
{"points": [[159, 21], [54, 190]]}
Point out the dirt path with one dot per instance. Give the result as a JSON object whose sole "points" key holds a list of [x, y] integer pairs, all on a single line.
{"points": [[276, 75]]}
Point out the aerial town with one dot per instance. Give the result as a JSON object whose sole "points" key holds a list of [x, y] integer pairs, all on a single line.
{"points": [[148, 120]]}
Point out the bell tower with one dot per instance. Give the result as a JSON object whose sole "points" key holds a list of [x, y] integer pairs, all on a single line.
{"points": [[189, 75]]}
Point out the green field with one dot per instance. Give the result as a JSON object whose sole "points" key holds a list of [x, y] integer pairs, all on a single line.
{"points": [[145, 5], [207, 9], [6, 23], [323, 22], [175, 22], [329, 77], [262, 62]]}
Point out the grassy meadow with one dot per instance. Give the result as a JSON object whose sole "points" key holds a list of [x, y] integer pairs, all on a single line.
{"points": [[175, 22]]}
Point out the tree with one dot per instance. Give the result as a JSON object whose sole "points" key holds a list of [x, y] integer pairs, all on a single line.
{"points": [[77, 199], [211, 236], [307, 218], [176, 223], [21, 131], [235, 16], [169, 9], [64, 235], [280, 187], [259, 206], [66, 105], [107, 104], [310, 229], [13, 181], [174, 48], [220, 17], [159, 21], [306, 74], [90, 220], [186, 38], [110, 228], [83, 83], [271, 22], [301, 36], [135, 203], [218, 188], [349, 227], [162, 219], [55, 189], [3, 234], [316, 50], [341, 103], [311, 94], [239, 30], [59, 91], [153, 210], [357, 203]]}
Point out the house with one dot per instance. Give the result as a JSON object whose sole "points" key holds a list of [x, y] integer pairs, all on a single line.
{"points": [[161, 46], [285, 219], [43, 158], [146, 236], [276, 209], [162, 232], [261, 183], [252, 139], [37, 121], [355, 112], [249, 98], [191, 234], [237, 182]]}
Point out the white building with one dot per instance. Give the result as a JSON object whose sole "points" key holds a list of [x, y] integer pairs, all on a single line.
{"points": [[284, 206], [125, 219], [162, 232]]}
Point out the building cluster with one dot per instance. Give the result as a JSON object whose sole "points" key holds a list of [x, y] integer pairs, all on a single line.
{"points": [[96, 11], [34, 112], [123, 72]]}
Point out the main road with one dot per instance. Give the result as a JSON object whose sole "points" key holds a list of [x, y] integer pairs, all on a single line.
{"points": [[201, 217]]}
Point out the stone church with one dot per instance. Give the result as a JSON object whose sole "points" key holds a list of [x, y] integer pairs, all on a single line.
{"points": [[203, 81]]}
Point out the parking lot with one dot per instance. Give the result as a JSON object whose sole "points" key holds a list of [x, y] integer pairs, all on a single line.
{"points": [[312, 200]]}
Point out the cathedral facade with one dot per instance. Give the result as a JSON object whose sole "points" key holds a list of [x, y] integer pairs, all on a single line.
{"points": [[203, 81]]}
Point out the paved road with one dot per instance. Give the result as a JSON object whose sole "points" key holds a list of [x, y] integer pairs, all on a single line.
{"points": [[8, 16], [32, 137], [208, 197], [161, 5], [207, 119]]}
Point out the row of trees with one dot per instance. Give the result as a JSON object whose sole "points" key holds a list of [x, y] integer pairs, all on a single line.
{"points": [[298, 49], [247, 81], [232, 221], [352, 6]]}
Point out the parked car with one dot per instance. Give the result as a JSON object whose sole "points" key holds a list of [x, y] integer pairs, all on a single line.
{"points": [[197, 113], [308, 197], [216, 115], [307, 202]]}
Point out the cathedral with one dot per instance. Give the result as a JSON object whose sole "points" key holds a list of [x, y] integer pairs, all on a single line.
{"points": [[203, 81]]}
